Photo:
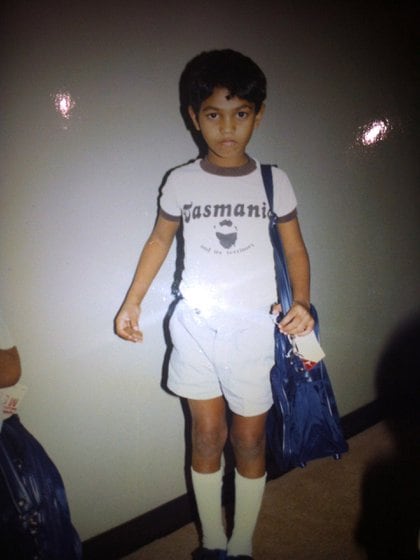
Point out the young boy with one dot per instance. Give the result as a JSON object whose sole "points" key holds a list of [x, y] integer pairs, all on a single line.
{"points": [[221, 329]]}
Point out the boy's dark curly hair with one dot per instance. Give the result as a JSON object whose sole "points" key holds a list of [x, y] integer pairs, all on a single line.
{"points": [[221, 68]]}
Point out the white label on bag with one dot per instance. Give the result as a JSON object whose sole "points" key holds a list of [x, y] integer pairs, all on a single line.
{"points": [[11, 399], [309, 349]]}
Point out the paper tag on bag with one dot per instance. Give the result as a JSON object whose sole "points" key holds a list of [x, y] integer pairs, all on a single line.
{"points": [[309, 349], [11, 399]]}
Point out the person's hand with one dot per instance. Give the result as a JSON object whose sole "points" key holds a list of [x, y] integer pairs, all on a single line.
{"points": [[10, 369], [127, 323], [298, 320]]}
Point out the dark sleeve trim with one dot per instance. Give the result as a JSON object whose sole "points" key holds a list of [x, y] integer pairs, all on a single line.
{"points": [[169, 216], [288, 217]]}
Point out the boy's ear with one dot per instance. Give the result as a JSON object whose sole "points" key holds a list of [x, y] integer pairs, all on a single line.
{"points": [[259, 115], [193, 117]]}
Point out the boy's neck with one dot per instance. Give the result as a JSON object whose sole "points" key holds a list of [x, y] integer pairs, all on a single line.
{"points": [[236, 171]]}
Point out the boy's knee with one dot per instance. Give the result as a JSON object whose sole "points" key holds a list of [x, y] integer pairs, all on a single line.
{"points": [[249, 444], [209, 440]]}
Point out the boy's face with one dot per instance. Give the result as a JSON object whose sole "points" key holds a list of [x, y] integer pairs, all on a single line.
{"points": [[227, 126]]}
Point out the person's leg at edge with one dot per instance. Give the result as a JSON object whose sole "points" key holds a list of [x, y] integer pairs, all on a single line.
{"points": [[209, 434], [248, 441]]}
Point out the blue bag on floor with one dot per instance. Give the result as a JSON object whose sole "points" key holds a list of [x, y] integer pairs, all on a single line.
{"points": [[34, 515], [303, 424]]}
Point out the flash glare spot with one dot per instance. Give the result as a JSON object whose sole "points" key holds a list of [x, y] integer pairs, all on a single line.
{"points": [[64, 103], [374, 132]]}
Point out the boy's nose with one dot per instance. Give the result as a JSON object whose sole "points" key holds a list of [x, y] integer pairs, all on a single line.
{"points": [[227, 125]]}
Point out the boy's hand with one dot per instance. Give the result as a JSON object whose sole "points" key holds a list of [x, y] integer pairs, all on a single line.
{"points": [[298, 321], [127, 323]]}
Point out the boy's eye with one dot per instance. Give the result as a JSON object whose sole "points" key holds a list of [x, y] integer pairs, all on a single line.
{"points": [[243, 114], [211, 116]]}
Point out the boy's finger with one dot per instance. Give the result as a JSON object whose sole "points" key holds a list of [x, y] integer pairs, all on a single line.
{"points": [[287, 319], [298, 326], [134, 334]]}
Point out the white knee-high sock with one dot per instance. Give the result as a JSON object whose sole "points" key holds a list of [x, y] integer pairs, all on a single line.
{"points": [[208, 496], [248, 497]]}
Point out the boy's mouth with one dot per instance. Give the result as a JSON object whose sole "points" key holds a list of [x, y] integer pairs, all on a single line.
{"points": [[228, 142]]}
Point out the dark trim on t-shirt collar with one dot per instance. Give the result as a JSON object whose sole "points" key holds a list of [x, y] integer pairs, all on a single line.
{"points": [[240, 171]]}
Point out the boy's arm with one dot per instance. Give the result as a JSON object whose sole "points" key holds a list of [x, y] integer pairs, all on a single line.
{"points": [[298, 320], [151, 259]]}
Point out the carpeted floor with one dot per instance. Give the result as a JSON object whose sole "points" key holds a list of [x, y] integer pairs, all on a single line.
{"points": [[307, 514]]}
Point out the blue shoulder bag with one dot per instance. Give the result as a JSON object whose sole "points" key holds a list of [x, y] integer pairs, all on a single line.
{"points": [[303, 423], [35, 519]]}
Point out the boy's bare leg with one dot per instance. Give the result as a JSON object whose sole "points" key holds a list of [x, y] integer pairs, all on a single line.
{"points": [[209, 434], [248, 440]]}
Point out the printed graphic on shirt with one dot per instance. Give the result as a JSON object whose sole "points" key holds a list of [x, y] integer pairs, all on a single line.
{"points": [[226, 234], [226, 231]]}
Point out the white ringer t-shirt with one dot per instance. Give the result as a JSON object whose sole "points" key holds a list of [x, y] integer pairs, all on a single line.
{"points": [[228, 256]]}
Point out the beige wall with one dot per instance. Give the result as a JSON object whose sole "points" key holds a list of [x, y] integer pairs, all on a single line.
{"points": [[78, 198]]}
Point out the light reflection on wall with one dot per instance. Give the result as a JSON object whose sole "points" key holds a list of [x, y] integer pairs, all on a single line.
{"points": [[64, 104], [369, 136], [373, 132]]}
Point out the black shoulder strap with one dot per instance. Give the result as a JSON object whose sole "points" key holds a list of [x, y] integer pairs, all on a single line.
{"points": [[268, 183], [284, 290]]}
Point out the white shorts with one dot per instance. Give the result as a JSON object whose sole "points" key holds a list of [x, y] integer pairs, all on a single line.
{"points": [[230, 356]]}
